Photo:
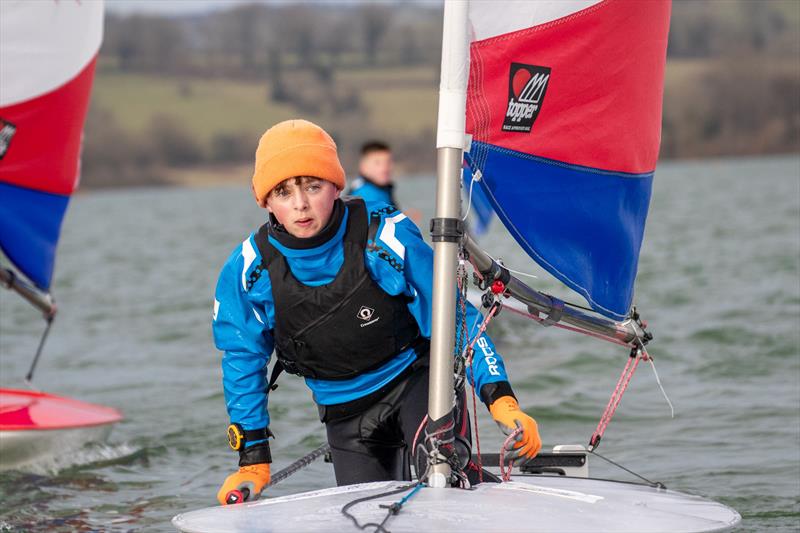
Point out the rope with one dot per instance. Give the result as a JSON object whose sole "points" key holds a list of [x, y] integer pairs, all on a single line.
{"points": [[616, 397], [462, 333], [469, 354], [378, 527], [660, 386], [654, 484], [407, 497], [526, 274], [475, 423], [486, 319], [419, 429], [506, 474], [469, 198]]}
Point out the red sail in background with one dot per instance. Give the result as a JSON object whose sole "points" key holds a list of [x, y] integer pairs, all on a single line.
{"points": [[48, 51]]}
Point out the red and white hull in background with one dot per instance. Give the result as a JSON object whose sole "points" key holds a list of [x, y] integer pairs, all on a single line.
{"points": [[36, 426]]}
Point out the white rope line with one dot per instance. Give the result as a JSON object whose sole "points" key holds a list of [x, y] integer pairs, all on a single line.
{"points": [[534, 276], [469, 198], [520, 273], [663, 392]]}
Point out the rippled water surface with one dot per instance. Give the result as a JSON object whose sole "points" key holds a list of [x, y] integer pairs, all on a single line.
{"points": [[719, 282]]}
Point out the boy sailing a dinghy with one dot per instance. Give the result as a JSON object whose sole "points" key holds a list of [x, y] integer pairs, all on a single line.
{"points": [[341, 290]]}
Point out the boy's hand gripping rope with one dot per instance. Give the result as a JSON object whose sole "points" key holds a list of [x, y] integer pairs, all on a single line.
{"points": [[505, 475]]}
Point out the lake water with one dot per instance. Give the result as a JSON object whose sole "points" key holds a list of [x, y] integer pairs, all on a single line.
{"points": [[719, 283]]}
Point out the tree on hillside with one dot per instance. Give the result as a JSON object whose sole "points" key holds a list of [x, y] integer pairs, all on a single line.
{"points": [[335, 38], [375, 19], [277, 89], [142, 42], [296, 27], [714, 29], [247, 19]]}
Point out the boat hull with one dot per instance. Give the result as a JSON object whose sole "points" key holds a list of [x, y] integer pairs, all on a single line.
{"points": [[21, 448], [529, 503], [36, 425]]}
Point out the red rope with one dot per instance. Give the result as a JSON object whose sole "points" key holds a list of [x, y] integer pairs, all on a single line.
{"points": [[470, 353], [506, 474], [482, 329], [416, 436], [616, 396], [477, 433]]}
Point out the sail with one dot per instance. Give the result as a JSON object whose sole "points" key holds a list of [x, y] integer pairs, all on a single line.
{"points": [[48, 51], [564, 108]]}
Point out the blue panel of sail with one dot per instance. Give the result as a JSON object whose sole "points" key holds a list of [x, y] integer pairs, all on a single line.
{"points": [[30, 223], [583, 225]]}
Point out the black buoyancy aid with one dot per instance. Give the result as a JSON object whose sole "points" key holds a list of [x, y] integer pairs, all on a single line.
{"points": [[344, 328]]}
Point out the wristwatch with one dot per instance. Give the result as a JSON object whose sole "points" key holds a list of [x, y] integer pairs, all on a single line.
{"points": [[238, 437]]}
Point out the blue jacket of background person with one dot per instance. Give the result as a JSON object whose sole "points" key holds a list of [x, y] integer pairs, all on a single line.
{"points": [[370, 192], [243, 319]]}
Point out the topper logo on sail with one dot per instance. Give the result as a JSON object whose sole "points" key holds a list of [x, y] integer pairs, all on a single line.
{"points": [[7, 131], [527, 85]]}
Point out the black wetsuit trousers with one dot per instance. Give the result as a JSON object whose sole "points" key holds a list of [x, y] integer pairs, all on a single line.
{"points": [[372, 440]]}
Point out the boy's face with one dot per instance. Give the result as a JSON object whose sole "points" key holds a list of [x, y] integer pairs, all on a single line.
{"points": [[377, 166], [303, 205]]}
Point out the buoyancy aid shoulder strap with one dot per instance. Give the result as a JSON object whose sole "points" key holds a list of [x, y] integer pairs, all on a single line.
{"points": [[357, 224], [262, 243]]}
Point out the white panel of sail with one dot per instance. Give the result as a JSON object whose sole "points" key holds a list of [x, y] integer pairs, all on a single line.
{"points": [[489, 18], [44, 44]]}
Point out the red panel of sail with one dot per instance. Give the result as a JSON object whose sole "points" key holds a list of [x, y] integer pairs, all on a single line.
{"points": [[43, 152], [602, 105]]}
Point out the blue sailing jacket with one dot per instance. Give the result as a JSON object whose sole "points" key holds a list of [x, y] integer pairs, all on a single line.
{"points": [[243, 319], [364, 188]]}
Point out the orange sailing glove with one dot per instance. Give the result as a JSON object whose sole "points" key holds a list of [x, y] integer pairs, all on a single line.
{"points": [[253, 475], [244, 485], [506, 412]]}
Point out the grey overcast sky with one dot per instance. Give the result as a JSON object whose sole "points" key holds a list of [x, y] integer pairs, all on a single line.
{"points": [[181, 7], [166, 7]]}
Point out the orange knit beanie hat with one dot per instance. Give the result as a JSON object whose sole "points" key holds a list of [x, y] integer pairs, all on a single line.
{"points": [[294, 148]]}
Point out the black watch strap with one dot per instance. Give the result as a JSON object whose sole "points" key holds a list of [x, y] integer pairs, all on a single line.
{"points": [[251, 435], [255, 454]]}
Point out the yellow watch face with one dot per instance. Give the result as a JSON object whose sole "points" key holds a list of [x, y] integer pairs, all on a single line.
{"points": [[235, 437]]}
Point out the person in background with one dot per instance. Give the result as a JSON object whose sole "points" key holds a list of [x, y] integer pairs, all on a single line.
{"points": [[375, 180], [353, 320]]}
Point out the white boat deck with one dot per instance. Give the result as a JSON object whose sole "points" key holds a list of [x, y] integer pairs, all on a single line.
{"points": [[529, 503]]}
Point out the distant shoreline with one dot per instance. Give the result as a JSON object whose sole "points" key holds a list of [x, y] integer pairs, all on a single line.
{"points": [[207, 176]]}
